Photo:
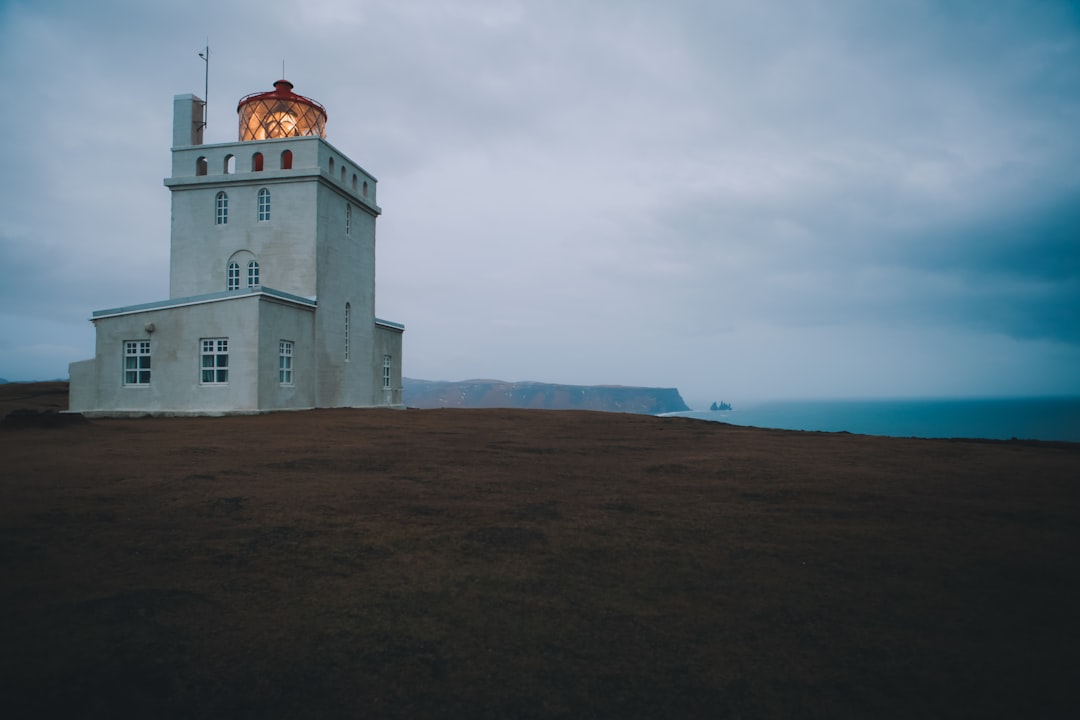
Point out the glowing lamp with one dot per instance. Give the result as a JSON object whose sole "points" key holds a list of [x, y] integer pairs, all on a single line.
{"points": [[280, 113]]}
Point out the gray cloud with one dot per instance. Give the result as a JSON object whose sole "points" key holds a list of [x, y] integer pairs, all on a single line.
{"points": [[807, 199]]}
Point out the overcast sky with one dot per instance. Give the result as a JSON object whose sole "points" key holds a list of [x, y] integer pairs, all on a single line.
{"points": [[744, 200]]}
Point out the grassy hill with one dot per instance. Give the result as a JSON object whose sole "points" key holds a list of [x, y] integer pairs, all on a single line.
{"points": [[522, 564]]}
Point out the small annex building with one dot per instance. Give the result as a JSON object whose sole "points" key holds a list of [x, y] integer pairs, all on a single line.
{"points": [[271, 279]]}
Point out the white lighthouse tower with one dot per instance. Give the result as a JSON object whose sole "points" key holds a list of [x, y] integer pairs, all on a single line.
{"points": [[271, 283]]}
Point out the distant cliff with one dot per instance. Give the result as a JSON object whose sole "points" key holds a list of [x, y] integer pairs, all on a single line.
{"points": [[546, 396]]}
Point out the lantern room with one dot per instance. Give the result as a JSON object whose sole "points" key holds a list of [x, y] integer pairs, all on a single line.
{"points": [[280, 113]]}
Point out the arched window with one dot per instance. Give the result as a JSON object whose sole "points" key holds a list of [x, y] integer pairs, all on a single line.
{"points": [[201, 166], [343, 174], [354, 181], [331, 166], [286, 160], [348, 218], [222, 204], [348, 308], [264, 205], [229, 165], [232, 276], [365, 188], [253, 274], [257, 162]]}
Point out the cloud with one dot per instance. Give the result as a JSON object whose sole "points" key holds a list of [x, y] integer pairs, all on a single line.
{"points": [[688, 194]]}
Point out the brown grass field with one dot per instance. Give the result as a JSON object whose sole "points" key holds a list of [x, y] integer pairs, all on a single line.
{"points": [[528, 564]]}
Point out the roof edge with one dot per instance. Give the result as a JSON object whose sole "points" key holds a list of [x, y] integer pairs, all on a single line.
{"points": [[201, 299]]}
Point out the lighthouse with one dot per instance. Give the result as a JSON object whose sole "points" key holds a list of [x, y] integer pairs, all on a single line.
{"points": [[271, 278]]}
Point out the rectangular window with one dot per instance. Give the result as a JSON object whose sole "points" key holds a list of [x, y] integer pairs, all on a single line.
{"points": [[386, 372], [215, 361], [136, 362], [285, 362]]}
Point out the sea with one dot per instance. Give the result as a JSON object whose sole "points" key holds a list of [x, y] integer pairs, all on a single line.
{"points": [[1046, 418]]}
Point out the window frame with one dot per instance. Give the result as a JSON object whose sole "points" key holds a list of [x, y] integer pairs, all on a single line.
{"points": [[232, 276], [264, 205], [217, 350], [221, 208], [253, 274], [285, 363], [136, 374], [387, 367]]}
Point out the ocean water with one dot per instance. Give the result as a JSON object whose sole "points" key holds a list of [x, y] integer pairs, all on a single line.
{"points": [[991, 418]]}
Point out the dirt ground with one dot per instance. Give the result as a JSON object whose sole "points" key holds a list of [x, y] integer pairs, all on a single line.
{"points": [[527, 564]]}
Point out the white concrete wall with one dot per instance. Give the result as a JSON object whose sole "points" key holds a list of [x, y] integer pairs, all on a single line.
{"points": [[278, 321], [253, 325], [309, 154], [175, 358], [305, 150], [346, 175], [387, 342], [83, 387], [302, 199], [284, 246], [346, 274], [187, 120]]}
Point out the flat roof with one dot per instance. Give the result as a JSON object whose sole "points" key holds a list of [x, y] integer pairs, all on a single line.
{"points": [[199, 299]]}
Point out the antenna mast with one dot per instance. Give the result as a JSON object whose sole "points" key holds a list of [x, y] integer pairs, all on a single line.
{"points": [[205, 55]]}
